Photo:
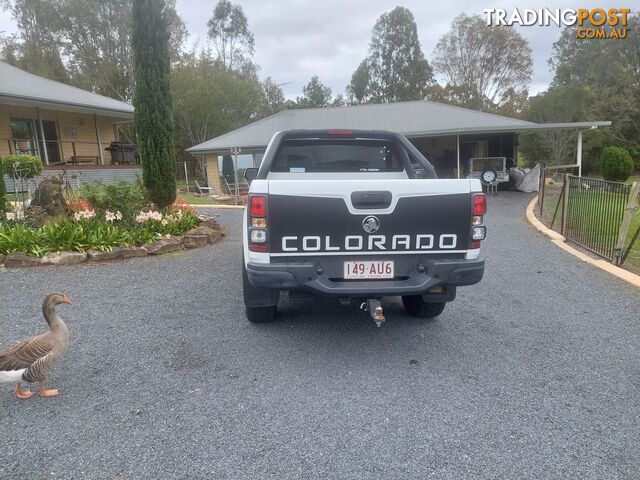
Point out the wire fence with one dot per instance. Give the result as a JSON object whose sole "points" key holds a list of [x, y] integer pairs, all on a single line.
{"points": [[594, 212], [600, 216]]}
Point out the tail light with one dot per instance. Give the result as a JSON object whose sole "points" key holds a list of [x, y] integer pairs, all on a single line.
{"points": [[258, 206], [478, 230], [257, 218], [479, 204]]}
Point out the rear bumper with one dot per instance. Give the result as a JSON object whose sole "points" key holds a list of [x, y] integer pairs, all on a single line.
{"points": [[312, 277]]}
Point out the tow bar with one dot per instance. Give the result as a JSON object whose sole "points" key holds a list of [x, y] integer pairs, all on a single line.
{"points": [[372, 305]]}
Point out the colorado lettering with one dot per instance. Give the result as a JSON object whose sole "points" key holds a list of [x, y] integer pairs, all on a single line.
{"points": [[317, 243]]}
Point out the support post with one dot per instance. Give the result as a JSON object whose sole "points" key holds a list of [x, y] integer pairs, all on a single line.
{"points": [[565, 205], [186, 175], [235, 175], [541, 188], [95, 123], [458, 154], [44, 141], [579, 153], [629, 211], [235, 151]]}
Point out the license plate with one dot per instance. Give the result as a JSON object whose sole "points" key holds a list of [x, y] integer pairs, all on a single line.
{"points": [[368, 269]]}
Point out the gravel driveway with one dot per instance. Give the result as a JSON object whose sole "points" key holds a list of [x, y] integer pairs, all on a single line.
{"points": [[533, 373]]}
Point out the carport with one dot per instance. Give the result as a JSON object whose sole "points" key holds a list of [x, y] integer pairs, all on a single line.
{"points": [[449, 136]]}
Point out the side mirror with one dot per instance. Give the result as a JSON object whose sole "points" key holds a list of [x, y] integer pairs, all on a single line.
{"points": [[250, 174]]}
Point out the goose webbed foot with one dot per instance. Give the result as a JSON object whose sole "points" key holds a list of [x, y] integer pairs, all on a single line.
{"points": [[47, 393], [22, 394]]}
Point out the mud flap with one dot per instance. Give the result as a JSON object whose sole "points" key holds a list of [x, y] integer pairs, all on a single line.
{"points": [[257, 297]]}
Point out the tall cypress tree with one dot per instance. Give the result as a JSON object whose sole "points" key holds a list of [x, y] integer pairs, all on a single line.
{"points": [[152, 100]]}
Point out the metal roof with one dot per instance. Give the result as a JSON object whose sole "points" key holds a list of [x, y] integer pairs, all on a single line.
{"points": [[22, 88], [413, 119]]}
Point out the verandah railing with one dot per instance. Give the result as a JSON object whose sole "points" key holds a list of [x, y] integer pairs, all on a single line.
{"points": [[72, 152]]}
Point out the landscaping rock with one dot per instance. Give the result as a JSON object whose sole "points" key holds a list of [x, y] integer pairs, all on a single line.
{"points": [[194, 241], [1, 259], [131, 252], [209, 223], [17, 259], [163, 246], [63, 258], [36, 217], [116, 254], [98, 256], [213, 235], [49, 195]]}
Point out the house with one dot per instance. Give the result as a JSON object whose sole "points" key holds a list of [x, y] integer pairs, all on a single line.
{"points": [[449, 136], [70, 129]]}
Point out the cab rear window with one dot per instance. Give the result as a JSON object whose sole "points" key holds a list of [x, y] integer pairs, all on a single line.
{"points": [[336, 155]]}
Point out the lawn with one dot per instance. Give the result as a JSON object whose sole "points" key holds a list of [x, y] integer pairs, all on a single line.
{"points": [[597, 224], [191, 199], [197, 200]]}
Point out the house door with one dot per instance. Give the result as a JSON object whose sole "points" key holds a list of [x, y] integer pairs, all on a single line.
{"points": [[51, 141]]}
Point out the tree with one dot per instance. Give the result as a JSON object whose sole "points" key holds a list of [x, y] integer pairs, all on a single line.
{"points": [[611, 70], [315, 94], [396, 66], [558, 104], [229, 31], [272, 98], [339, 101], [93, 37], [358, 88], [485, 66], [38, 48], [210, 100], [152, 100], [97, 39]]}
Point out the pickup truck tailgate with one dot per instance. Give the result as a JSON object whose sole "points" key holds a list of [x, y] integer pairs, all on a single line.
{"points": [[369, 217]]}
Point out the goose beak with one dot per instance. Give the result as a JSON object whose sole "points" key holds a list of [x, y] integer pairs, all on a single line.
{"points": [[66, 300]]}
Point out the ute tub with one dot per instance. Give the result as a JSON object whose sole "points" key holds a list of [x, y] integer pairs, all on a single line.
{"points": [[320, 277]]}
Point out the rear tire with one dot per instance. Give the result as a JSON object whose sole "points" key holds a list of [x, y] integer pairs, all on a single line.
{"points": [[261, 314], [417, 307]]}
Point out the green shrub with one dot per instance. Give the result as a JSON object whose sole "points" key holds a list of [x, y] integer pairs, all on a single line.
{"points": [[616, 164], [635, 155], [124, 197], [3, 193], [18, 238], [107, 237], [22, 166], [64, 236]]}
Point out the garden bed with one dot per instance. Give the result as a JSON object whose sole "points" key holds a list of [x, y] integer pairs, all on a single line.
{"points": [[206, 233], [104, 222]]}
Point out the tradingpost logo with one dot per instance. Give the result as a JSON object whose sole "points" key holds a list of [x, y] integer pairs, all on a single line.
{"points": [[592, 23]]}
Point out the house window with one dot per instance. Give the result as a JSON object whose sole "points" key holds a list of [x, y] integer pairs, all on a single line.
{"points": [[23, 136]]}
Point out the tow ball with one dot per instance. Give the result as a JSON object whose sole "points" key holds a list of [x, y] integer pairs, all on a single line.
{"points": [[372, 305]]}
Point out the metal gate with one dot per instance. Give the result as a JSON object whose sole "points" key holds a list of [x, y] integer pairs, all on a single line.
{"points": [[594, 213]]}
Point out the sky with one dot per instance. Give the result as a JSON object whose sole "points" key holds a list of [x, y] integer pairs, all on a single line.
{"points": [[296, 39]]}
